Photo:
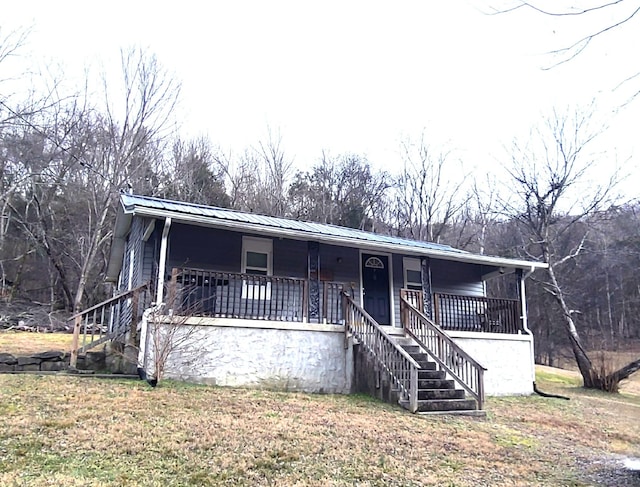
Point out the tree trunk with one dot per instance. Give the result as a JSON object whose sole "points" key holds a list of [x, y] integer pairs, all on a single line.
{"points": [[582, 359], [625, 372], [96, 241]]}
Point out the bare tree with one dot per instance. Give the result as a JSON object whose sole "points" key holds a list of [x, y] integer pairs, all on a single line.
{"points": [[170, 340], [126, 149], [191, 174], [606, 16], [73, 159], [10, 45], [470, 227], [595, 21], [277, 169], [342, 190], [258, 179], [429, 191], [551, 195]]}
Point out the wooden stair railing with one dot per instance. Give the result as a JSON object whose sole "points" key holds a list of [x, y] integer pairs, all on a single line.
{"points": [[101, 323], [401, 367], [445, 352]]}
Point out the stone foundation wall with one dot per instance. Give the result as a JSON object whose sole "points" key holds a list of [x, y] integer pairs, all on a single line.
{"points": [[370, 379], [259, 354]]}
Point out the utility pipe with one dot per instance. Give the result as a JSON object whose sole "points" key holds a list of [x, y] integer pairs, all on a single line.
{"points": [[525, 325]]}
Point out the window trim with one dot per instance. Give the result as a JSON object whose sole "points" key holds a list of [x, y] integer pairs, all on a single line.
{"points": [[253, 290], [411, 264], [258, 246]]}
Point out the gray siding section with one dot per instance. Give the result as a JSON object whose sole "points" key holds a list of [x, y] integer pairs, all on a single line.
{"points": [[149, 260], [456, 278], [221, 250], [134, 241], [290, 258], [150, 250], [341, 264], [135, 245], [204, 248], [137, 230]]}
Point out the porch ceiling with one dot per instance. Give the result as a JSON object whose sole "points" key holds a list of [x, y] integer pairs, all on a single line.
{"points": [[281, 227]]}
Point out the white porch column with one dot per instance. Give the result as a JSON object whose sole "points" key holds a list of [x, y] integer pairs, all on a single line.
{"points": [[163, 260]]}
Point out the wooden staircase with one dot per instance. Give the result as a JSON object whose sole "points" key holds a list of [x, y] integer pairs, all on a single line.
{"points": [[115, 318], [436, 393], [424, 370]]}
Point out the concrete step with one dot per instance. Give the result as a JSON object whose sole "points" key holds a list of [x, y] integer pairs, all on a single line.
{"points": [[447, 405], [424, 394], [435, 384], [425, 363], [403, 341], [431, 374], [476, 413]]}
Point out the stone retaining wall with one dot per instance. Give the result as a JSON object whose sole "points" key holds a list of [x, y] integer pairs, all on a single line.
{"points": [[51, 361]]}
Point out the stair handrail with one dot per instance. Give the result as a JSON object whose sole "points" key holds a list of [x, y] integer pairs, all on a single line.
{"points": [[126, 294], [449, 356], [101, 309], [401, 367]]}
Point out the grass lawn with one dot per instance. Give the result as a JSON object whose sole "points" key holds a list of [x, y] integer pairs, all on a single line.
{"points": [[24, 343], [59, 430]]}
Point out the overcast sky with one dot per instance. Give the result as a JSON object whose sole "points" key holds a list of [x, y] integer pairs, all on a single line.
{"points": [[351, 76]]}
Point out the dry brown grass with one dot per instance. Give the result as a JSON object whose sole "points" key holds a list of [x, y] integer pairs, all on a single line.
{"points": [[73, 431], [25, 343], [610, 361]]}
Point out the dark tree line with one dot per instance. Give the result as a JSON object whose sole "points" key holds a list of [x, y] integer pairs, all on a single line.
{"points": [[65, 160]]}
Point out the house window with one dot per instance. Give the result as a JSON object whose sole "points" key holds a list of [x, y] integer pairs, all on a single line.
{"points": [[257, 259], [374, 263], [412, 274]]}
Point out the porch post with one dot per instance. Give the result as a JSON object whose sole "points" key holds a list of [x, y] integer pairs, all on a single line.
{"points": [[77, 324], [425, 267], [313, 253], [522, 302], [163, 260]]}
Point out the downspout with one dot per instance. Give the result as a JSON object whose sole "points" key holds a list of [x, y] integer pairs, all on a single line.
{"points": [[155, 308], [163, 260], [525, 325], [142, 352]]}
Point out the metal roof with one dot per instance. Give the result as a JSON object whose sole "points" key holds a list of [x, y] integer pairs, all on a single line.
{"points": [[267, 225], [137, 204]]}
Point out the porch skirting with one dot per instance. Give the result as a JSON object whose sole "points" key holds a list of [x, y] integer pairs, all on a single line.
{"points": [[508, 359], [260, 354]]}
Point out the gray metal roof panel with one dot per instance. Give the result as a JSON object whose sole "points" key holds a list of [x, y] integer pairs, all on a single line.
{"points": [[131, 203]]}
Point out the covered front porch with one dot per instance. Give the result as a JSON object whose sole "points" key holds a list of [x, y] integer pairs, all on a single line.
{"points": [[209, 293]]}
